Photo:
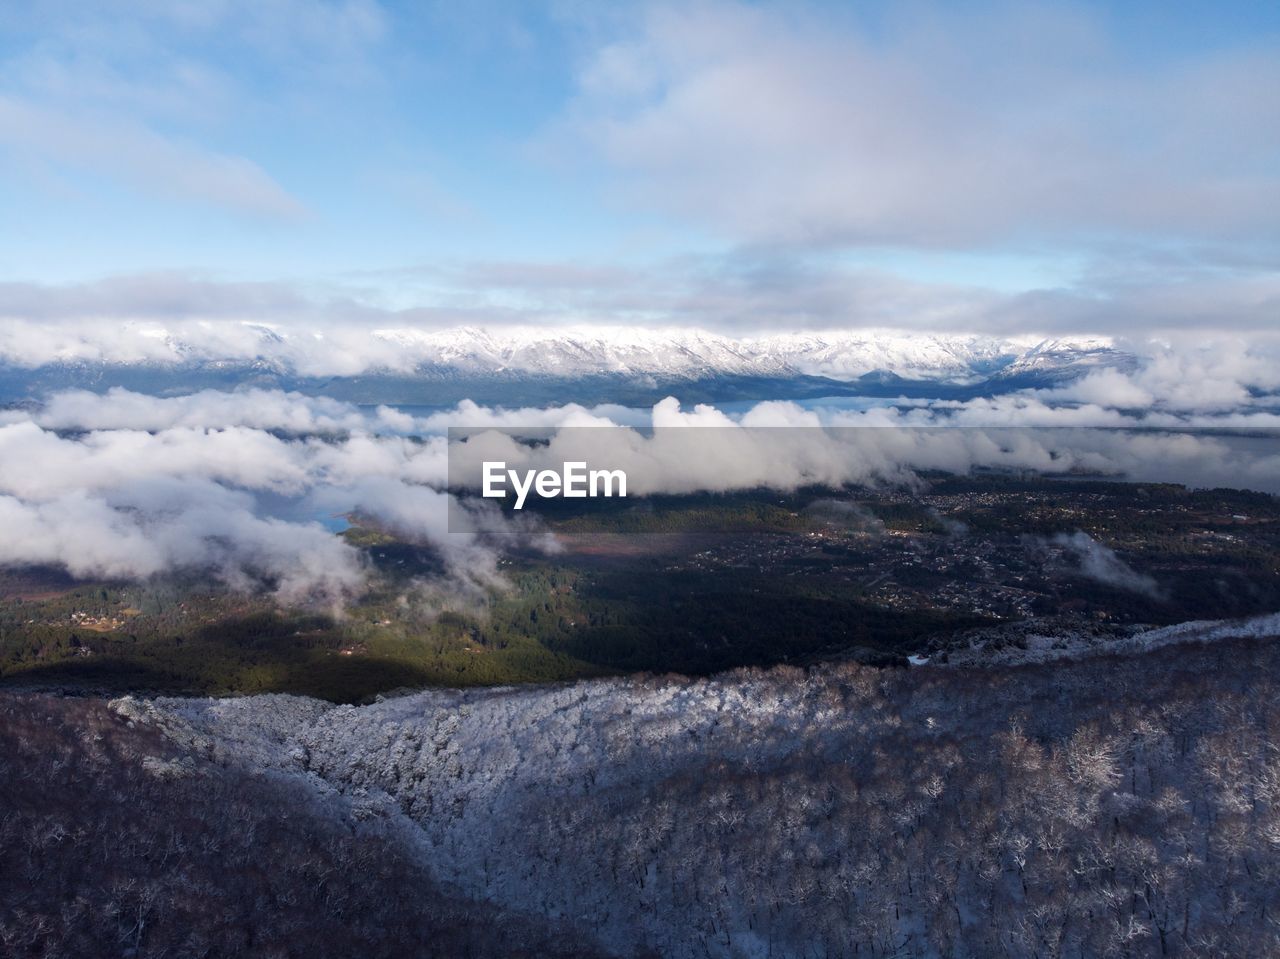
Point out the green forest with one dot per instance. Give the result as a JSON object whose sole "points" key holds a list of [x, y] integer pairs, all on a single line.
{"points": [[692, 585]]}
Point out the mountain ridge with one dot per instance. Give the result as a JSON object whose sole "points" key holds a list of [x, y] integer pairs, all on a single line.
{"points": [[640, 356]]}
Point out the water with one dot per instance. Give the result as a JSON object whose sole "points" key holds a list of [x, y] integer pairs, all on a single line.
{"points": [[300, 509]]}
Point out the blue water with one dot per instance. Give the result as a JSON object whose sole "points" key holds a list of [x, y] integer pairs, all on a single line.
{"points": [[299, 509], [815, 403]]}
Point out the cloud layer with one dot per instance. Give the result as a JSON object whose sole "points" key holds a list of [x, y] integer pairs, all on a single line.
{"points": [[783, 446], [784, 124], [1012, 169], [135, 318], [241, 483], [127, 503]]}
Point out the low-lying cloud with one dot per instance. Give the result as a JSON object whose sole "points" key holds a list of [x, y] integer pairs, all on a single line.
{"points": [[1100, 563], [782, 446], [125, 485], [128, 503], [149, 527]]}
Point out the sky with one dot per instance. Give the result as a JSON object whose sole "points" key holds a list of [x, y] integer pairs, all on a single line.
{"points": [[743, 167]]}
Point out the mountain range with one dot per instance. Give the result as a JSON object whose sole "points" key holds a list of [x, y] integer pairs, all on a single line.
{"points": [[534, 365]]}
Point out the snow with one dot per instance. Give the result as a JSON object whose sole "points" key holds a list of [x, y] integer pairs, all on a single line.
{"points": [[570, 352], [676, 352], [612, 798], [993, 647]]}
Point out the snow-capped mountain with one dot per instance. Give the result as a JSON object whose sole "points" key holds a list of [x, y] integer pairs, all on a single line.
{"points": [[583, 352], [1058, 360], [848, 356], [697, 354], [563, 352], [422, 365]]}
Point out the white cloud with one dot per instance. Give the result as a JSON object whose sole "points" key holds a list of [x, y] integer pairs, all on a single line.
{"points": [[775, 123], [138, 94], [345, 326], [131, 503], [119, 409], [1106, 388], [142, 157], [131, 486], [782, 446], [1100, 562], [203, 526]]}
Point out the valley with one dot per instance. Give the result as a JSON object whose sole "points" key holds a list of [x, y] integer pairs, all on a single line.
{"points": [[686, 584]]}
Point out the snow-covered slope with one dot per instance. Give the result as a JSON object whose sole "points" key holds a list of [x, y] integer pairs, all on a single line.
{"points": [[1058, 360], [656, 354], [1045, 640], [583, 352], [755, 813], [696, 354], [845, 356]]}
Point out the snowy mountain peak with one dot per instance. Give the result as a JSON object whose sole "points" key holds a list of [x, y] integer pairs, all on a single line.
{"points": [[629, 352]]}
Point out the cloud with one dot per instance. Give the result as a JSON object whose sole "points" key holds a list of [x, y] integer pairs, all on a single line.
{"points": [[1100, 562], [254, 408], [1105, 388], [130, 503], [35, 463], [128, 485], [777, 124], [142, 157], [140, 94], [782, 446], [1171, 378], [281, 412], [1174, 382], [274, 27], [832, 164], [743, 295], [201, 526]]}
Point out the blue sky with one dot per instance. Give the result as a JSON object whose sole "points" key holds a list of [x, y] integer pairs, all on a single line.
{"points": [[562, 160]]}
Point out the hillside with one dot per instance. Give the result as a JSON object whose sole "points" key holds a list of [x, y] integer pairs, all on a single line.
{"points": [[1113, 805]]}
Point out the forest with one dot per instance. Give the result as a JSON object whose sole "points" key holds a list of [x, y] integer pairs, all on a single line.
{"points": [[694, 585], [1106, 806]]}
